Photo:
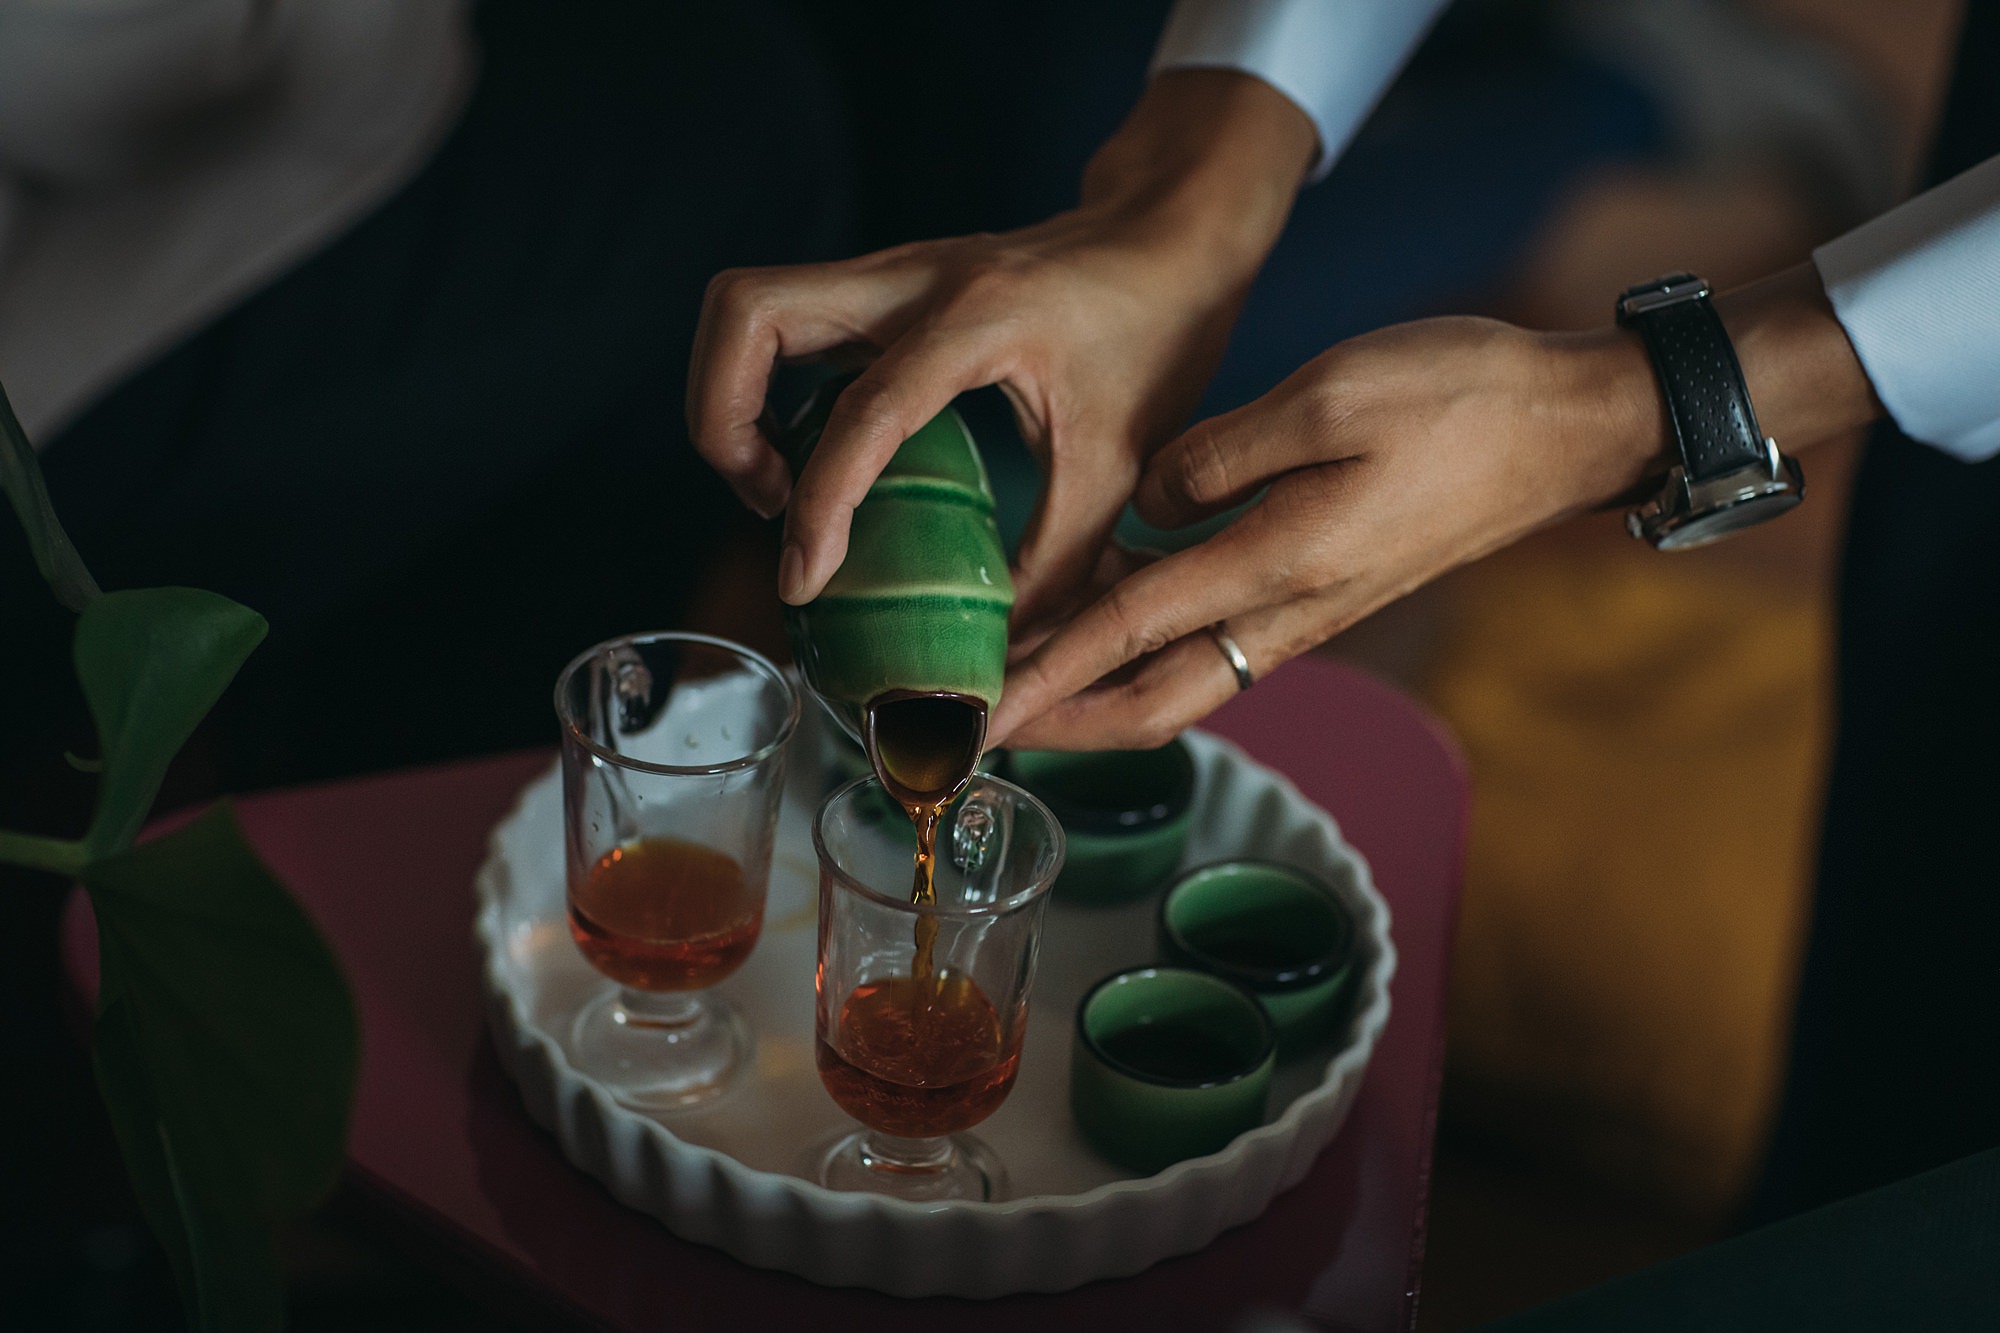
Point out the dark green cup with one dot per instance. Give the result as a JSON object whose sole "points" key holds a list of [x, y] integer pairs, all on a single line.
{"points": [[1124, 813], [1275, 930], [1168, 1063]]}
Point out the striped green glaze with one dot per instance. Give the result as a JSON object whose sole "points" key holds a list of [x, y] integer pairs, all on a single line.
{"points": [[921, 601]]}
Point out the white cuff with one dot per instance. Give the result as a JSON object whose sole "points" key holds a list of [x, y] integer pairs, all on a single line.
{"points": [[1917, 290], [1333, 58]]}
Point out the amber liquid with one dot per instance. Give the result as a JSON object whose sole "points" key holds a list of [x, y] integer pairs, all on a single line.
{"points": [[919, 1057], [665, 915], [924, 747]]}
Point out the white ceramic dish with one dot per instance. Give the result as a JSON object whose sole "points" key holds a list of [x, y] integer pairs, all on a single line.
{"points": [[730, 1173]]}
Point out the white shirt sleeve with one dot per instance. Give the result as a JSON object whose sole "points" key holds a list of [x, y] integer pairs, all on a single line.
{"points": [[1334, 58], [1918, 291]]}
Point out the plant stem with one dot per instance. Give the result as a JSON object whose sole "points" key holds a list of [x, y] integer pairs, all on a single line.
{"points": [[59, 856], [21, 478]]}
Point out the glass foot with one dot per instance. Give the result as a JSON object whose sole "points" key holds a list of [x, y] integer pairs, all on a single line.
{"points": [[921, 1170], [659, 1052]]}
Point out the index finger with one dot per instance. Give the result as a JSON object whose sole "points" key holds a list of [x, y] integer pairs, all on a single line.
{"points": [[911, 382], [750, 320], [1236, 570]]}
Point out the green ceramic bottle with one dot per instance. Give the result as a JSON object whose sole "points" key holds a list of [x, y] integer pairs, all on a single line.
{"points": [[920, 603]]}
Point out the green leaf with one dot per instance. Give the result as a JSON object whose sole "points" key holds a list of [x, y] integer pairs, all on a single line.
{"points": [[226, 1049], [21, 478], [152, 662], [223, 1255]]}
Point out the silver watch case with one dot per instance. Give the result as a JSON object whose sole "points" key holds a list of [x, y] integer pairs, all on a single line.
{"points": [[1691, 514]]}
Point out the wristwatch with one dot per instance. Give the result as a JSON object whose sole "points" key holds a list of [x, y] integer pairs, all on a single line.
{"points": [[1731, 474]]}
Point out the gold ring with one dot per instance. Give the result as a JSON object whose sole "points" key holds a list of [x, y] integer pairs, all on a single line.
{"points": [[1233, 651]]}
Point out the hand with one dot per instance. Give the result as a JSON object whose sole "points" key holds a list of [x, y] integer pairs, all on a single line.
{"points": [[1383, 463], [1102, 326]]}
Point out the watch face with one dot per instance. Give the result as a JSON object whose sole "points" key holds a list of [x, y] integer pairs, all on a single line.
{"points": [[1714, 524]]}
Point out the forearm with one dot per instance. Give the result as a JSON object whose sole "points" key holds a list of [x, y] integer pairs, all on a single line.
{"points": [[1208, 160], [1805, 382], [1894, 318]]}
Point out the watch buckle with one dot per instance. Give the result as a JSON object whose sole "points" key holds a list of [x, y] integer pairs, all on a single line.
{"points": [[1667, 291]]}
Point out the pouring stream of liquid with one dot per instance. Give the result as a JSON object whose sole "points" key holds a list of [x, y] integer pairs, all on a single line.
{"points": [[924, 747]]}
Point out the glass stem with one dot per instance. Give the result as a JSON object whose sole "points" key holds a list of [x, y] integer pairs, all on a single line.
{"points": [[889, 1152], [659, 1009]]}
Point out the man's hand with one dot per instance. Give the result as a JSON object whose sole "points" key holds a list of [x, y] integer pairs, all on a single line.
{"points": [[1383, 463], [1102, 326]]}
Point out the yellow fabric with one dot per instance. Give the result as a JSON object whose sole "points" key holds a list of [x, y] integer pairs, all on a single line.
{"points": [[1646, 740]]}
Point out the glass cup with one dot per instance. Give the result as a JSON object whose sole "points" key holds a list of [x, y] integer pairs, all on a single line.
{"points": [[673, 758], [922, 1007]]}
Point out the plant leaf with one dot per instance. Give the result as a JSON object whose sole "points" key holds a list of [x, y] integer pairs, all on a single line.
{"points": [[21, 478], [152, 662], [223, 1257], [226, 1050]]}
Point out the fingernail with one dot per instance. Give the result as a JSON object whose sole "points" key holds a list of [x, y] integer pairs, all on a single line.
{"points": [[998, 726], [772, 493], [792, 574]]}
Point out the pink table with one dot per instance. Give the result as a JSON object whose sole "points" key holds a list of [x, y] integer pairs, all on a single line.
{"points": [[385, 866]]}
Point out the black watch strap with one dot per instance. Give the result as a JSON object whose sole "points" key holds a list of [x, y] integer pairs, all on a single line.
{"points": [[1707, 400]]}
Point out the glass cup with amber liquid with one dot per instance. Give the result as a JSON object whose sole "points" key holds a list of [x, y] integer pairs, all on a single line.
{"points": [[922, 1005], [673, 760]]}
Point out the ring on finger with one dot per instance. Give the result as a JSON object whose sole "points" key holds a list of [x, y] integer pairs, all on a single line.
{"points": [[1232, 652]]}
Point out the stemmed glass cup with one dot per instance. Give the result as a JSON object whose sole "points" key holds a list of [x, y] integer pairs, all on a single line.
{"points": [[922, 1007], [673, 760]]}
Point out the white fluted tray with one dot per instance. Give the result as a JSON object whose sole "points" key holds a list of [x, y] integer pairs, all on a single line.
{"points": [[732, 1173]]}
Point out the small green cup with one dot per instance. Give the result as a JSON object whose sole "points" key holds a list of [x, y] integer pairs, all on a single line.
{"points": [[1275, 930], [1124, 812], [1168, 1064]]}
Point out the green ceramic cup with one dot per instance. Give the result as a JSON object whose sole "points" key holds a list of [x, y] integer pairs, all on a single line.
{"points": [[1168, 1063], [1275, 930], [1124, 812], [921, 601]]}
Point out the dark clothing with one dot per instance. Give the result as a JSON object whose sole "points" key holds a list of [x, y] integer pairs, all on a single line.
{"points": [[442, 455], [1895, 1063], [449, 451]]}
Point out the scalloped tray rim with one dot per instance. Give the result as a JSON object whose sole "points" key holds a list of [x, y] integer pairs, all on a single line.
{"points": [[554, 1094]]}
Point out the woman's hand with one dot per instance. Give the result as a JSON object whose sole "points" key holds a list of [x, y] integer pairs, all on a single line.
{"points": [[1102, 325], [1383, 463]]}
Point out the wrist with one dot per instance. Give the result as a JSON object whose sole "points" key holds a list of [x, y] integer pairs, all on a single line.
{"points": [[1804, 378], [1210, 161], [1616, 440]]}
